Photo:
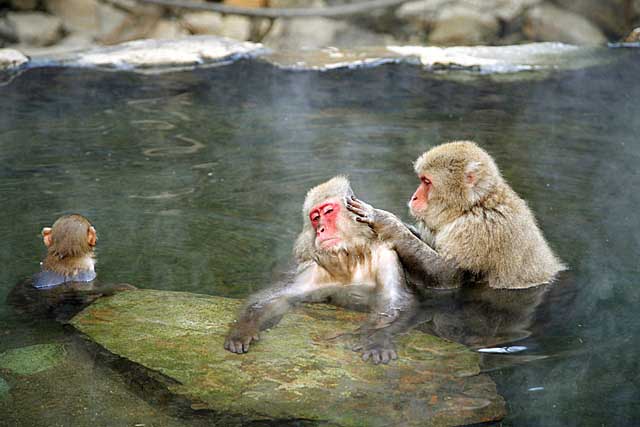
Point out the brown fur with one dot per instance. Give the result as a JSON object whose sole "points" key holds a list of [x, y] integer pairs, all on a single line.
{"points": [[70, 249], [477, 221]]}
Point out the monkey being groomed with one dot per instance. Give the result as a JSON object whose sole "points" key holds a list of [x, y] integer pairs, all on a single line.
{"points": [[340, 262], [470, 224], [67, 280]]}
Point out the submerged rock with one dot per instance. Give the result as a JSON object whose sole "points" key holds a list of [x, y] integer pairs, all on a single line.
{"points": [[4, 388], [301, 369], [32, 359]]}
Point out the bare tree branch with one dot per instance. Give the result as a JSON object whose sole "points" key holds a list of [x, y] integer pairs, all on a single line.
{"points": [[326, 12]]}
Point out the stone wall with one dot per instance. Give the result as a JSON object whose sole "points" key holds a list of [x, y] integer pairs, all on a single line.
{"points": [[38, 26]]}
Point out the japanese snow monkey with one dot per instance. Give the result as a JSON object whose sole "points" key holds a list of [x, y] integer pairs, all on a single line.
{"points": [[340, 262], [67, 280], [470, 223]]}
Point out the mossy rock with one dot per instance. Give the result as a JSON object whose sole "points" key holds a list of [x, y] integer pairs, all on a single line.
{"points": [[298, 370], [32, 359]]}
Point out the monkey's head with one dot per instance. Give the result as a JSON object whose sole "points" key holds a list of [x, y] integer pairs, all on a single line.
{"points": [[70, 236], [328, 227], [453, 178]]}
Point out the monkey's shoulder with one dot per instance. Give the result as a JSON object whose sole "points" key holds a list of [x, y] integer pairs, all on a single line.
{"points": [[47, 279]]}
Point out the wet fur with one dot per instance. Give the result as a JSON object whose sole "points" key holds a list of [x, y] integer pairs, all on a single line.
{"points": [[69, 250], [473, 222], [484, 227]]}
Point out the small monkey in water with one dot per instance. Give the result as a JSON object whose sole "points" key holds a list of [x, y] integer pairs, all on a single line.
{"points": [[340, 262], [470, 223], [67, 280]]}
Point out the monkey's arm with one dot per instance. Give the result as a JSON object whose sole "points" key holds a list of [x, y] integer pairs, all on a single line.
{"points": [[392, 304], [267, 307], [422, 262]]}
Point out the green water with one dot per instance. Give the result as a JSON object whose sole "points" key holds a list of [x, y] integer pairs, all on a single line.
{"points": [[195, 181]]}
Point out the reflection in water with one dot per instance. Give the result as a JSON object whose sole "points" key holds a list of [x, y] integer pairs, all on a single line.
{"points": [[59, 302], [152, 125], [168, 151], [164, 194], [482, 317], [568, 145]]}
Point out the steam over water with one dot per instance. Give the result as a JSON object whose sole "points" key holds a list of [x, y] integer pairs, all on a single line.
{"points": [[195, 181]]}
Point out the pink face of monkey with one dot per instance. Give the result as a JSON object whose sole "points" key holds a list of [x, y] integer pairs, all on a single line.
{"points": [[324, 220], [420, 197]]}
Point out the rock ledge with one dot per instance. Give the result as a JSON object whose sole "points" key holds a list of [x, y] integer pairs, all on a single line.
{"points": [[301, 369]]}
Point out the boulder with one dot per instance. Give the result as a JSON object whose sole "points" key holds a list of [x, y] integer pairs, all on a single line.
{"points": [[35, 28], [302, 369], [235, 27], [633, 36], [202, 22], [424, 12], [609, 15], [76, 15], [167, 29], [72, 43], [24, 4], [115, 26], [311, 33], [463, 26], [549, 23], [505, 10]]}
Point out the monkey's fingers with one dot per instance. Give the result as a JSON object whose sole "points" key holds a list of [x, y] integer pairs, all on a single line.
{"points": [[356, 210], [235, 345]]}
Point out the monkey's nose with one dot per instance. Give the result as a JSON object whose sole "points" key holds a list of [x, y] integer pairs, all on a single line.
{"points": [[321, 229]]}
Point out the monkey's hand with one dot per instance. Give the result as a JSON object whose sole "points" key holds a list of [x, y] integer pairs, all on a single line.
{"points": [[240, 336], [383, 223], [377, 347]]}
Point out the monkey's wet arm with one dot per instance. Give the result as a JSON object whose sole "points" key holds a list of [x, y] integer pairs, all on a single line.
{"points": [[265, 310], [390, 310], [422, 262]]}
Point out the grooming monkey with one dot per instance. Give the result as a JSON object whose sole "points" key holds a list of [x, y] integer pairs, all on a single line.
{"points": [[470, 223], [338, 261], [67, 280]]}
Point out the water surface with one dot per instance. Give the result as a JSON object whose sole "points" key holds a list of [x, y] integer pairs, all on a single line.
{"points": [[195, 182]]}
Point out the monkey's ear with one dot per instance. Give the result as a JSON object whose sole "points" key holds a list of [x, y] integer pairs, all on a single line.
{"points": [[46, 236], [471, 173], [92, 237]]}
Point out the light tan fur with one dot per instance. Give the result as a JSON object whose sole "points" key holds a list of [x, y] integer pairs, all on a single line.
{"points": [[68, 245], [358, 271], [476, 220], [359, 238]]}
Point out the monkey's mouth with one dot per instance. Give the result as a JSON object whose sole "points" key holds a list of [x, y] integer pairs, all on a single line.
{"points": [[327, 243]]}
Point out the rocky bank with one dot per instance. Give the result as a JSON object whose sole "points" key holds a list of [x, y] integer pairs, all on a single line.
{"points": [[38, 27]]}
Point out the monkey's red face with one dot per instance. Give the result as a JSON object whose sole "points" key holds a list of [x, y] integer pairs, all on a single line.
{"points": [[324, 219], [420, 197]]}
